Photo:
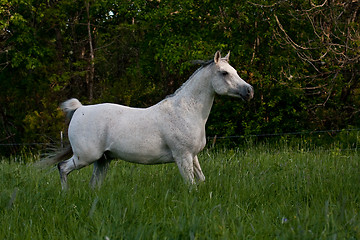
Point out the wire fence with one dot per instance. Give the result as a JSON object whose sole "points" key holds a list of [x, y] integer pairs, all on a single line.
{"points": [[338, 141], [212, 138], [290, 133]]}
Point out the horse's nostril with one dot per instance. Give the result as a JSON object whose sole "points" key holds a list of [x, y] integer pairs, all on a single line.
{"points": [[250, 92]]}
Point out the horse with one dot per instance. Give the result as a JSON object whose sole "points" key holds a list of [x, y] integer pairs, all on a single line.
{"points": [[172, 130]]}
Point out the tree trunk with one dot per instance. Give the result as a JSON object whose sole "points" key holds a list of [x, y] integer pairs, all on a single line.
{"points": [[91, 66]]}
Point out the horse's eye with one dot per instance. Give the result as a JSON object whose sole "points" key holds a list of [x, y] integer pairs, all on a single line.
{"points": [[224, 73]]}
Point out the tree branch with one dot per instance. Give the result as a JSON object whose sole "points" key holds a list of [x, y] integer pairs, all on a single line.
{"points": [[293, 44]]}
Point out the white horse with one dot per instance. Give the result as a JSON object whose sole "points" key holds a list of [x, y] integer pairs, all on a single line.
{"points": [[173, 130]]}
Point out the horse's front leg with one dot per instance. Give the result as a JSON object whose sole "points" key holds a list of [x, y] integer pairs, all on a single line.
{"points": [[197, 170], [186, 167]]}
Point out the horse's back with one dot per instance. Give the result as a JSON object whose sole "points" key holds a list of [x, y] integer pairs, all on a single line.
{"points": [[103, 121]]}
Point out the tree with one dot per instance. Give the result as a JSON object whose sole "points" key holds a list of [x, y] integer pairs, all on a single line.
{"points": [[329, 46], [301, 57]]}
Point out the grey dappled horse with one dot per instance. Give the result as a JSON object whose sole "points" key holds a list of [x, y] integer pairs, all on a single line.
{"points": [[173, 130]]}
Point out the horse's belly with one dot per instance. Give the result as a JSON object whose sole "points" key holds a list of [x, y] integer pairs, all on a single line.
{"points": [[142, 157], [145, 149]]}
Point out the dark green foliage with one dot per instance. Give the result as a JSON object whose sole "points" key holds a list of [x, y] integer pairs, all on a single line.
{"points": [[301, 57]]}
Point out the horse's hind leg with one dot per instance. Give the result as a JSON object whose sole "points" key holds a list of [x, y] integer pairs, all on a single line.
{"points": [[100, 170], [63, 176], [67, 167]]}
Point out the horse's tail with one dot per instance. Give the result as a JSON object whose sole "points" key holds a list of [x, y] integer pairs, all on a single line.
{"points": [[69, 107], [59, 156]]}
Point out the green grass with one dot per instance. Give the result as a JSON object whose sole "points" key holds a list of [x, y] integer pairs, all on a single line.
{"points": [[257, 193]]}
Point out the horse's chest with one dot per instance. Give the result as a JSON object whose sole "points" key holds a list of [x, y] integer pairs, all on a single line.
{"points": [[188, 134]]}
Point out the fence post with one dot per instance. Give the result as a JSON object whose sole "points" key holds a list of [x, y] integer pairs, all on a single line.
{"points": [[62, 139], [213, 142]]}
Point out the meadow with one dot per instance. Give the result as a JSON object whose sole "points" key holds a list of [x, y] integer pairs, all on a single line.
{"points": [[259, 192]]}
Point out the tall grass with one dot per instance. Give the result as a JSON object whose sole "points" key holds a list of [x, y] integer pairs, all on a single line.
{"points": [[255, 193]]}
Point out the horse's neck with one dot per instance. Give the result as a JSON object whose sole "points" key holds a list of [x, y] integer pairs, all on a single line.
{"points": [[197, 95]]}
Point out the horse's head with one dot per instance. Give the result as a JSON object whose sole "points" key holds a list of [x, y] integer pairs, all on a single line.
{"points": [[226, 81]]}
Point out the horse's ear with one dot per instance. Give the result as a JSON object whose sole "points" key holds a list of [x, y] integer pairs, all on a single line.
{"points": [[217, 57], [227, 57]]}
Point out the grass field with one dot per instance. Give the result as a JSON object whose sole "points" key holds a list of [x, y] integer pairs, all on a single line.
{"points": [[255, 193]]}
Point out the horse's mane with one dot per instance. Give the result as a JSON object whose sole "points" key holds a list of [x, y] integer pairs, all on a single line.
{"points": [[194, 62]]}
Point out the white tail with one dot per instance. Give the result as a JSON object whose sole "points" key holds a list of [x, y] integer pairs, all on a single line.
{"points": [[70, 106]]}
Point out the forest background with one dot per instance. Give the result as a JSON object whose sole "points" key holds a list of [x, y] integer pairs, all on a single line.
{"points": [[302, 57]]}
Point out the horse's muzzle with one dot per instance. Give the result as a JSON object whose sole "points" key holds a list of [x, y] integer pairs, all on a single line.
{"points": [[247, 93]]}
